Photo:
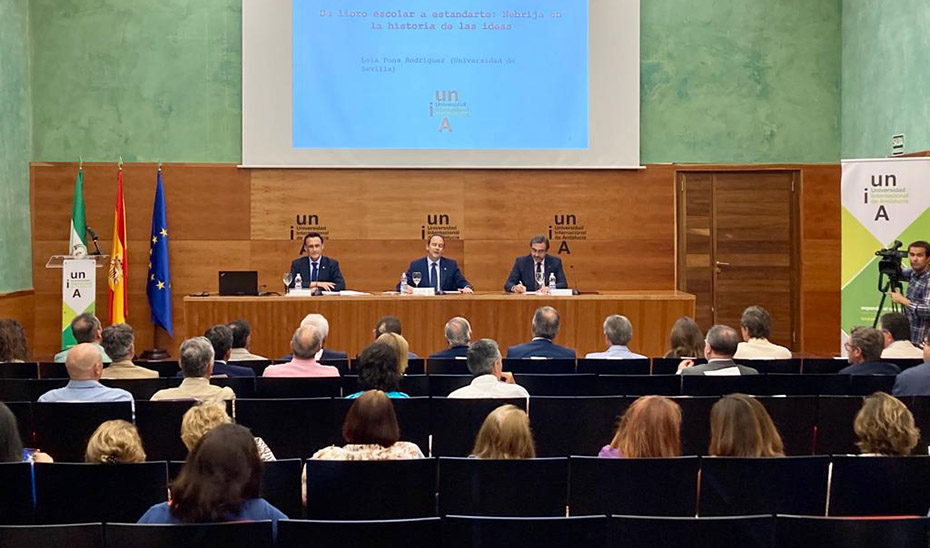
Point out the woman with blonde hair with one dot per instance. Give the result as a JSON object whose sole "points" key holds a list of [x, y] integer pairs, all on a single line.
{"points": [[114, 442], [400, 347], [505, 434], [736, 429], [885, 426], [650, 427], [200, 419], [685, 339]]}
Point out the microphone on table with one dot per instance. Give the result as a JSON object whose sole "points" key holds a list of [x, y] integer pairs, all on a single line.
{"points": [[93, 236]]}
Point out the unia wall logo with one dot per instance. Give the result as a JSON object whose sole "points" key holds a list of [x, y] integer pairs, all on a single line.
{"points": [[440, 223], [565, 227], [306, 223]]}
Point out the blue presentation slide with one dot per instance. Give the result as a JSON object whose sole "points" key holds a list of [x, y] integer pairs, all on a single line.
{"points": [[440, 75]]}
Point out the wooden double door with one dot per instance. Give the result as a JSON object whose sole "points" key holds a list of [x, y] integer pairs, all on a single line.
{"points": [[738, 234]]}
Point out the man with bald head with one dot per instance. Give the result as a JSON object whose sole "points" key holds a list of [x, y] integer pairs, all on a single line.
{"points": [[458, 335], [85, 365], [546, 325], [305, 343]]}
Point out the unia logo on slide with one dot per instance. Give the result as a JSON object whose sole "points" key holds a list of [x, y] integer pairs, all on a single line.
{"points": [[306, 223], [447, 104]]}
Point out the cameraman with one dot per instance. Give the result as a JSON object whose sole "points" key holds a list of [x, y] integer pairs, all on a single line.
{"points": [[917, 302]]}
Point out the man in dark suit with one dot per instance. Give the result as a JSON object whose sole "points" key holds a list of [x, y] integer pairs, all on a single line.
{"points": [[531, 272], [719, 346], [915, 381], [864, 352], [316, 271], [545, 328], [436, 270], [458, 335], [221, 338]]}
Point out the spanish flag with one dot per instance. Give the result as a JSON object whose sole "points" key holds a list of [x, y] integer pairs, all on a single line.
{"points": [[119, 264]]}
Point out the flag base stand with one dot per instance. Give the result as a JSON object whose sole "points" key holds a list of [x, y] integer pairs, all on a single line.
{"points": [[154, 355]]}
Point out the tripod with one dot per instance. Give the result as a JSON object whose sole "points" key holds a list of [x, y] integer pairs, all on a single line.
{"points": [[893, 283]]}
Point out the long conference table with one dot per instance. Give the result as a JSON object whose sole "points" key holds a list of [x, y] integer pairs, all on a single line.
{"points": [[506, 318]]}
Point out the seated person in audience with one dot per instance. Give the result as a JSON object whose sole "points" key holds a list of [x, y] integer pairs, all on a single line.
{"points": [[371, 432], [505, 434], [201, 418], [391, 324], [86, 329], [85, 366], [721, 343], [864, 352], [11, 445], [400, 347], [650, 427], [12, 342], [896, 330], [377, 370], [617, 333], [685, 339], [451, 279], [756, 327], [196, 364], [305, 344], [322, 324], [915, 381], [531, 272], [221, 338], [458, 335], [485, 363], [119, 343], [885, 426], [740, 429], [220, 482], [115, 442], [545, 328], [242, 342]]}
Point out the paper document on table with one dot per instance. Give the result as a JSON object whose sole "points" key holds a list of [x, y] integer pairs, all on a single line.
{"points": [[346, 293]]}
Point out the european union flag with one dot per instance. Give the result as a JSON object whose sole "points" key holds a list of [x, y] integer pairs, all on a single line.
{"points": [[158, 286]]}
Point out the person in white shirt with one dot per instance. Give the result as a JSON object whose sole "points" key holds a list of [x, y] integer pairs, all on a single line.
{"points": [[485, 363], [756, 327], [617, 332], [896, 329]]}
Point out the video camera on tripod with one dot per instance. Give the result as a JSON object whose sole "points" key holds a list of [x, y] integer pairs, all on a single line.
{"points": [[889, 266]]}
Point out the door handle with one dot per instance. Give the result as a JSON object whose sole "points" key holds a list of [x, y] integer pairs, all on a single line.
{"points": [[721, 263]]}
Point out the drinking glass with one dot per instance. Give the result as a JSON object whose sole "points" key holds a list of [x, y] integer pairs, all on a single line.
{"points": [[417, 276], [287, 279]]}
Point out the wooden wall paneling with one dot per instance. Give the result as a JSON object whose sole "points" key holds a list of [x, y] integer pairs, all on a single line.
{"points": [[20, 306]]}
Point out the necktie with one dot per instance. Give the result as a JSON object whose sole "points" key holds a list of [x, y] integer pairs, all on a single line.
{"points": [[539, 275], [434, 277], [314, 273]]}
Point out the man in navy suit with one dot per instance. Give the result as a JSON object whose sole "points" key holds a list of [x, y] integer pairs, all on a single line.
{"points": [[458, 335], [545, 328], [531, 272], [437, 271], [221, 338], [316, 271], [864, 352], [915, 381]]}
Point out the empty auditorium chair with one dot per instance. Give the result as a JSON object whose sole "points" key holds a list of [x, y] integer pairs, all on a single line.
{"points": [[876, 486], [15, 494], [638, 385], [159, 425], [564, 426], [863, 385], [298, 387], [516, 487], [62, 429], [165, 368], [416, 366], [22, 410], [443, 385], [395, 533], [257, 365], [19, 370], [366, 490], [256, 534], [825, 366], [835, 415], [293, 428], [141, 389], [807, 532], [637, 366], [733, 486], [53, 370], [447, 366], [498, 532], [18, 390], [712, 385], [558, 385], [553, 366], [730, 532], [669, 366], [412, 417], [808, 384], [87, 493], [87, 535], [789, 366], [455, 422], [651, 487], [695, 423], [795, 418]]}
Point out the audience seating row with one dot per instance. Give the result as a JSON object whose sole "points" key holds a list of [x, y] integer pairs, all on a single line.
{"points": [[445, 366], [561, 426], [538, 385], [358, 490]]}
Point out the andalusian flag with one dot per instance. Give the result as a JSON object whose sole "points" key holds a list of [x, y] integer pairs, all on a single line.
{"points": [[78, 240], [119, 260]]}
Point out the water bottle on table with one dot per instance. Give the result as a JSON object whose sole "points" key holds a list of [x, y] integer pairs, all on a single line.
{"points": [[403, 283], [551, 282]]}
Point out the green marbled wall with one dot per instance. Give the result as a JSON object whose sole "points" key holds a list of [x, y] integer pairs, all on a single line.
{"points": [[886, 76], [722, 80], [15, 147]]}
